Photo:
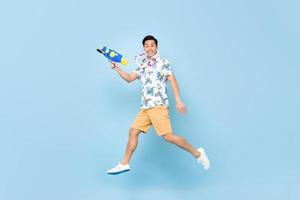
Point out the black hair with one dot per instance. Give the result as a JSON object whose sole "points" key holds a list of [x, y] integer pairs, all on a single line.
{"points": [[149, 37]]}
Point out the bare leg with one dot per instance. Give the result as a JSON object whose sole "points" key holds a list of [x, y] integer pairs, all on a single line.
{"points": [[131, 145], [182, 143]]}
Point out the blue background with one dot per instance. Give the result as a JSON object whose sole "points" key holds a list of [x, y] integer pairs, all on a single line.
{"points": [[65, 114]]}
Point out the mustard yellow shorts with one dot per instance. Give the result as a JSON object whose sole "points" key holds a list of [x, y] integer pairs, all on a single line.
{"points": [[158, 117]]}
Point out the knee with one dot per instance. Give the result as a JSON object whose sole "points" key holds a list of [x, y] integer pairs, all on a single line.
{"points": [[168, 138]]}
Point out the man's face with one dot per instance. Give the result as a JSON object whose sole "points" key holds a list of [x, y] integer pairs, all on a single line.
{"points": [[150, 48]]}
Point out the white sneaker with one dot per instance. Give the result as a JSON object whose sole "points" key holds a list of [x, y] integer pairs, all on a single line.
{"points": [[203, 159], [120, 168]]}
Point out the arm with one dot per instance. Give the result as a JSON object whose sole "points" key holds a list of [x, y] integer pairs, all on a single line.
{"points": [[126, 76], [179, 104]]}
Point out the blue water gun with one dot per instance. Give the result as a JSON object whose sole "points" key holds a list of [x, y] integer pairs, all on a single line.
{"points": [[112, 55]]}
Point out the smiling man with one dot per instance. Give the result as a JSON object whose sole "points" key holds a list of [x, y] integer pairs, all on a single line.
{"points": [[154, 72]]}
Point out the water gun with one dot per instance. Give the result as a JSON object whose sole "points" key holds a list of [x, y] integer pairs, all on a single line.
{"points": [[112, 55]]}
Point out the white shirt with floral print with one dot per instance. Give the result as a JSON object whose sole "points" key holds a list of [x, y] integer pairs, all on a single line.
{"points": [[153, 72]]}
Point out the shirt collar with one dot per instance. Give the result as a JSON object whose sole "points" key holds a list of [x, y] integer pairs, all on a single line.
{"points": [[147, 61], [151, 61]]}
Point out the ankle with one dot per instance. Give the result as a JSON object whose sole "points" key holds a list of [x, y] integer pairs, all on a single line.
{"points": [[197, 155], [124, 163]]}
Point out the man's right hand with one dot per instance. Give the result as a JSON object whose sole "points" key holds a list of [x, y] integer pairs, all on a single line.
{"points": [[114, 65]]}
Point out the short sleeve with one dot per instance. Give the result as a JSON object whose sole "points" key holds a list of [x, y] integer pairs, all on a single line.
{"points": [[138, 72], [167, 69]]}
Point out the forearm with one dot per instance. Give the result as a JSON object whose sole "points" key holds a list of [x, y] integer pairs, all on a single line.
{"points": [[123, 74], [175, 89], [180, 107]]}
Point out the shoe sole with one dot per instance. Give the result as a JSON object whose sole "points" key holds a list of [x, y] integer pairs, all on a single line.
{"points": [[116, 173]]}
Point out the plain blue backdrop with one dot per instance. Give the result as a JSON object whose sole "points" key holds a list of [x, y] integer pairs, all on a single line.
{"points": [[65, 114]]}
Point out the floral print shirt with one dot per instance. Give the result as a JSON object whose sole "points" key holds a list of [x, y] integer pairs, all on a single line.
{"points": [[153, 72]]}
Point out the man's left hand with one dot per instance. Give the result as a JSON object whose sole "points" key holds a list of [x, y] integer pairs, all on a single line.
{"points": [[180, 107]]}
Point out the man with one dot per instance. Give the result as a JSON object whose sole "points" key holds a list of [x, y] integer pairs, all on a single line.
{"points": [[154, 72]]}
